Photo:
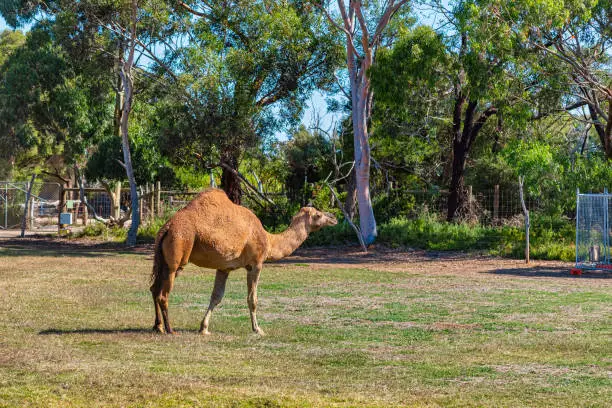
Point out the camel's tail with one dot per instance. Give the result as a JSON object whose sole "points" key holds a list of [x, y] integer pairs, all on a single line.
{"points": [[160, 267]]}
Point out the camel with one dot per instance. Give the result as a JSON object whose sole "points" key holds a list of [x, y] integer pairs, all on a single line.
{"points": [[213, 232]]}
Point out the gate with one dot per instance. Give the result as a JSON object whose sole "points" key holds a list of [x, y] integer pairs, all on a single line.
{"points": [[593, 231]]}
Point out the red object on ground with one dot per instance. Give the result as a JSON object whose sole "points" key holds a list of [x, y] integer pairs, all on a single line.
{"points": [[604, 266], [576, 271]]}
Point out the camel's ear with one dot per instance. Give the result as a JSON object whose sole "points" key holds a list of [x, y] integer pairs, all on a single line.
{"points": [[309, 210]]}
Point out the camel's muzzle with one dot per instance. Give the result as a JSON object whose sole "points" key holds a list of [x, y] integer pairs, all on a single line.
{"points": [[332, 218]]}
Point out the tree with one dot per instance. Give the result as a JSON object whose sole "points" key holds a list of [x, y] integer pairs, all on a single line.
{"points": [[363, 28], [578, 38], [247, 71], [308, 158], [410, 117], [103, 44], [45, 109]]}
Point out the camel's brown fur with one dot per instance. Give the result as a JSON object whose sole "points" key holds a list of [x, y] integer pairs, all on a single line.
{"points": [[212, 232]]}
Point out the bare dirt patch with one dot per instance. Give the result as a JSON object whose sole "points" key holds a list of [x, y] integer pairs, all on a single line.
{"points": [[469, 264]]}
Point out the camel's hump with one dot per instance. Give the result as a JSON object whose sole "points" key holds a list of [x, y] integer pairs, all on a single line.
{"points": [[212, 196]]}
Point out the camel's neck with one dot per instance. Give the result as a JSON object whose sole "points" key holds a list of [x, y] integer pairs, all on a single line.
{"points": [[283, 244]]}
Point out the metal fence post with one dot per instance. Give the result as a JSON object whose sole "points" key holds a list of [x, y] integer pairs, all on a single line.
{"points": [[577, 218], [606, 229], [6, 206], [60, 207], [496, 203]]}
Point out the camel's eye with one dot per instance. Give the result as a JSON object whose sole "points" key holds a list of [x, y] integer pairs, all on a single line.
{"points": [[317, 216]]}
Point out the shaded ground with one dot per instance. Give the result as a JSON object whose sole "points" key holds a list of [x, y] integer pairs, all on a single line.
{"points": [[345, 329]]}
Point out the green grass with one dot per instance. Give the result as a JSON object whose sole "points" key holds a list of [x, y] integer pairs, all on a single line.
{"points": [[75, 332]]}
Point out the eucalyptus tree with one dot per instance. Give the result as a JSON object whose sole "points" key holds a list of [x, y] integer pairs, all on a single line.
{"points": [[105, 41], [574, 43], [411, 115], [363, 26], [46, 111], [245, 69], [9, 42]]}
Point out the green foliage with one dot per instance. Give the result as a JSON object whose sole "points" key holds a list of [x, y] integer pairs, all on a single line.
{"points": [[406, 126], [146, 233], [102, 231], [309, 157], [397, 203], [551, 238], [247, 71], [338, 235]]}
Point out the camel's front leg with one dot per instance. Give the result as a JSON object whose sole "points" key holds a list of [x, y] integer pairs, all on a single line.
{"points": [[215, 299], [252, 279]]}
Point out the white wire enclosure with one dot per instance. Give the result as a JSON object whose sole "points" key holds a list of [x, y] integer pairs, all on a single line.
{"points": [[593, 230]]}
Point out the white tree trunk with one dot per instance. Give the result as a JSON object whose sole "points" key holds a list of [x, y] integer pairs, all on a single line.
{"points": [[358, 62], [367, 222], [128, 94]]}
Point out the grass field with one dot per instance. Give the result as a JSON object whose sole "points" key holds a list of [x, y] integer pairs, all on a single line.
{"points": [[343, 329]]}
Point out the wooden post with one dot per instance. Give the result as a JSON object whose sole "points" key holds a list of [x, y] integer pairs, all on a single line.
{"points": [[151, 201], [145, 202], [140, 203], [470, 199], [31, 212], [117, 201], [526, 213], [158, 198], [153, 205], [496, 203]]}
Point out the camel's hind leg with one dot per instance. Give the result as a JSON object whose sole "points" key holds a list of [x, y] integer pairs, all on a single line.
{"points": [[215, 299], [161, 301], [252, 279], [161, 292], [156, 289]]}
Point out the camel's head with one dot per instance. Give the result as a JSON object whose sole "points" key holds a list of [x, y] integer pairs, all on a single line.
{"points": [[315, 219]]}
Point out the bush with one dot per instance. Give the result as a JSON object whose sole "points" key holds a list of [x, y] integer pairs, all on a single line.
{"points": [[397, 203], [101, 230]]}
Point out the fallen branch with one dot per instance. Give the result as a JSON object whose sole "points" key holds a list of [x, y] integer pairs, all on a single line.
{"points": [[248, 184], [83, 198]]}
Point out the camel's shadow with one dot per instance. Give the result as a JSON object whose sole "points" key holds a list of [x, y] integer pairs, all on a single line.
{"points": [[128, 330]]}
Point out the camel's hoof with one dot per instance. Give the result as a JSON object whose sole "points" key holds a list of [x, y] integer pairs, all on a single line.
{"points": [[174, 333], [204, 332], [260, 332], [159, 329]]}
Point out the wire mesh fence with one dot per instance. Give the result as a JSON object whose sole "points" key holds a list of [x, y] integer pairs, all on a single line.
{"points": [[41, 212], [493, 207]]}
